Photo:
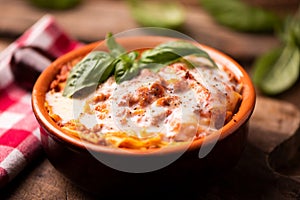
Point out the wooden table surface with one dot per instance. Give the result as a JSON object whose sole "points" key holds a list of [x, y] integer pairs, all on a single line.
{"points": [[269, 167]]}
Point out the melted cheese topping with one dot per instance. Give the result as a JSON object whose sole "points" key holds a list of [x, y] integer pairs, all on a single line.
{"points": [[176, 104]]}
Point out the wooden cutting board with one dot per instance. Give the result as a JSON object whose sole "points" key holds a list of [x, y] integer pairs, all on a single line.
{"points": [[92, 19]]}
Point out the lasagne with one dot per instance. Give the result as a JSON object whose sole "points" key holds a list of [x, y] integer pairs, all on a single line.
{"points": [[177, 104]]}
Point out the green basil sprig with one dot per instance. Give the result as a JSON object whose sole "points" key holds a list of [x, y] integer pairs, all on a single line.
{"points": [[158, 57], [98, 66]]}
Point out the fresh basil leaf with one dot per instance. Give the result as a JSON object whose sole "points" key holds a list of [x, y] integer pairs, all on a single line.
{"points": [[95, 68], [126, 67], [115, 49], [159, 56], [171, 51]]}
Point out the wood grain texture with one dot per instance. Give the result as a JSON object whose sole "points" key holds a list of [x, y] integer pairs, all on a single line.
{"points": [[272, 123], [94, 18], [252, 178]]}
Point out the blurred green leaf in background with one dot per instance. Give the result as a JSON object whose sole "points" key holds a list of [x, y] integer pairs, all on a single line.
{"points": [[240, 16], [55, 4], [278, 70], [165, 14]]}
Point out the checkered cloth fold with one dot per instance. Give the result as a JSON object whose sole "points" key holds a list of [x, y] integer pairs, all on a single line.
{"points": [[19, 130]]}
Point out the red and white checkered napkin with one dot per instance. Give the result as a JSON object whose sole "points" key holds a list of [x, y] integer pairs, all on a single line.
{"points": [[19, 130]]}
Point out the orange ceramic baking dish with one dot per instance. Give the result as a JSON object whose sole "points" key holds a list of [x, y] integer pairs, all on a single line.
{"points": [[79, 161]]}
